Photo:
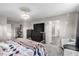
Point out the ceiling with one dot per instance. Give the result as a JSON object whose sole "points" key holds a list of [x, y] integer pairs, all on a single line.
{"points": [[37, 10]]}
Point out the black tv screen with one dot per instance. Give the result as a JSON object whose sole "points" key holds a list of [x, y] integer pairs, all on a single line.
{"points": [[39, 27]]}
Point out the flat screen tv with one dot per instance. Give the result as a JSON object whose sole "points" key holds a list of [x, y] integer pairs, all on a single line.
{"points": [[39, 27]]}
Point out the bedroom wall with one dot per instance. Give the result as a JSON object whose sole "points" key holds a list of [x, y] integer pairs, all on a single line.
{"points": [[4, 32], [2, 25], [66, 28]]}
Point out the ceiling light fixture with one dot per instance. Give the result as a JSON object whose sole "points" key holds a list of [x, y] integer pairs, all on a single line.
{"points": [[25, 13], [25, 16]]}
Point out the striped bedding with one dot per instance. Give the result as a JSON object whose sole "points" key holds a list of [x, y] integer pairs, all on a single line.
{"points": [[13, 48]]}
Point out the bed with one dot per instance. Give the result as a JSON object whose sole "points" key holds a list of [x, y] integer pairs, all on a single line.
{"points": [[22, 47]]}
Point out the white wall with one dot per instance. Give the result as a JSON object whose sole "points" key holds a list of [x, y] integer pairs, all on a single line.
{"points": [[5, 30]]}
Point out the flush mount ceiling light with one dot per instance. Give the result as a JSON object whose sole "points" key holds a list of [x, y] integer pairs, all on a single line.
{"points": [[25, 13], [25, 16]]}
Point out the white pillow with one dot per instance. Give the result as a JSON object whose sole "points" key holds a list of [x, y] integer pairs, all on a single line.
{"points": [[4, 45]]}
